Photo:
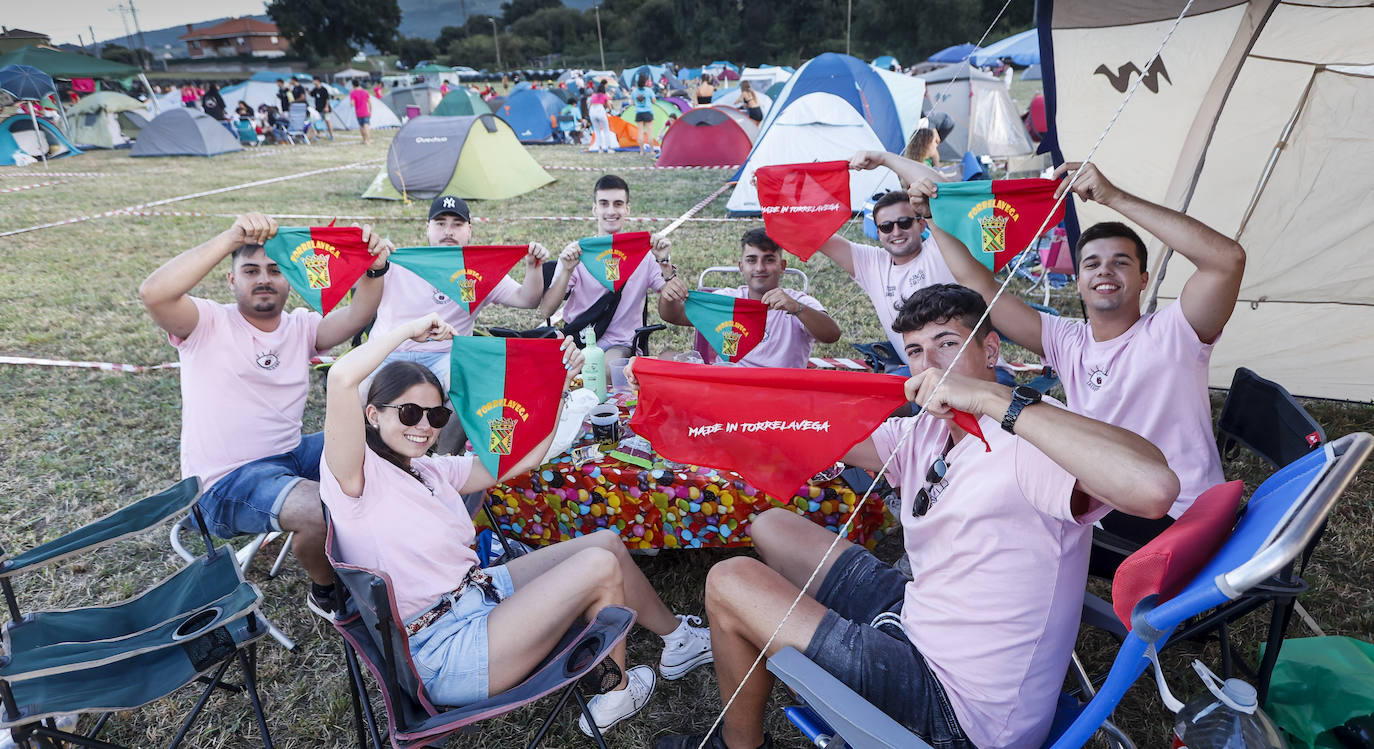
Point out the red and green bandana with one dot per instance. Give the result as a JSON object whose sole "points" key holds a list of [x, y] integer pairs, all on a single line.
{"points": [[613, 258], [506, 392], [466, 274], [321, 262], [733, 327], [996, 219], [803, 204]]}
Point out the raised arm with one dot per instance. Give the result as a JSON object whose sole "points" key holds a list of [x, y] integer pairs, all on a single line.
{"points": [[567, 263], [1209, 295], [345, 322], [1113, 465], [672, 300], [532, 286], [344, 431], [166, 292], [839, 250]]}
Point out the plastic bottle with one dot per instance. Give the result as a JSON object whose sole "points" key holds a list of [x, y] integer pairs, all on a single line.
{"points": [[1227, 716], [594, 366]]}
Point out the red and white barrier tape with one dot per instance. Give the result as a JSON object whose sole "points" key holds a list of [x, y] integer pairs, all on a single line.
{"points": [[640, 168], [21, 188], [53, 174], [332, 216], [111, 367]]}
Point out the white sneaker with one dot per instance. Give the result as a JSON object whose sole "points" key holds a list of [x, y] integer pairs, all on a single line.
{"points": [[685, 649], [612, 707]]}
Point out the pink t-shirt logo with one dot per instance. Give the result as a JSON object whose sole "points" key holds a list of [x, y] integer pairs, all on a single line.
{"points": [[268, 360], [1097, 378]]}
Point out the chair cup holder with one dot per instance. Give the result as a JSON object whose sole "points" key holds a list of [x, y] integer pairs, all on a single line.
{"points": [[197, 624]]}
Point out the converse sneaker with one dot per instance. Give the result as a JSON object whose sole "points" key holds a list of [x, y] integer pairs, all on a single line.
{"points": [[685, 648], [612, 707]]}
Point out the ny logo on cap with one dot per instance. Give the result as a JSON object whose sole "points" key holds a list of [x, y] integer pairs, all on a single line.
{"points": [[448, 203]]}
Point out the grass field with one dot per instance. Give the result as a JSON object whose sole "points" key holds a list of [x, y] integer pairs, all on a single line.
{"points": [[78, 443]]}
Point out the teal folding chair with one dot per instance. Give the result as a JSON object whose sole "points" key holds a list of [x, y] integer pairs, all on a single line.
{"points": [[1285, 513], [191, 626]]}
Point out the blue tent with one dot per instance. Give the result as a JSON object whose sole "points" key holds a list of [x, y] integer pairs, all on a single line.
{"points": [[850, 79], [1022, 48], [531, 114], [629, 77], [17, 135], [885, 62], [957, 53]]}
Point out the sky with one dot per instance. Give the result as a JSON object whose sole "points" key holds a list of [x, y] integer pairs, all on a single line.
{"points": [[64, 19]]}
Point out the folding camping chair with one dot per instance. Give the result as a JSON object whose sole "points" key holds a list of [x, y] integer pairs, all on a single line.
{"points": [[102, 659], [370, 625], [243, 557], [243, 128], [1280, 520], [699, 344], [298, 129]]}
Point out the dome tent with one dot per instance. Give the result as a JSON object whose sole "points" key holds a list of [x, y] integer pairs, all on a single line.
{"points": [[709, 136], [986, 121], [184, 132], [474, 157], [17, 136], [102, 119], [461, 101], [532, 114]]}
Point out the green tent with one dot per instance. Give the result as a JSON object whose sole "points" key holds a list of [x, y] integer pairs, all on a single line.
{"points": [[59, 64], [459, 102], [99, 119], [471, 157], [423, 69], [662, 111]]}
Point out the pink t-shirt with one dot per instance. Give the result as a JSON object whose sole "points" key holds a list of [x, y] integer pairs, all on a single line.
{"points": [[584, 290], [598, 98], [786, 341], [1152, 380], [1000, 564], [362, 106], [888, 285], [418, 534], [242, 390], [406, 297]]}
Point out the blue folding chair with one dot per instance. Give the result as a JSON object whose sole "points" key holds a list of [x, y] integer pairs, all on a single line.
{"points": [[1281, 518]]}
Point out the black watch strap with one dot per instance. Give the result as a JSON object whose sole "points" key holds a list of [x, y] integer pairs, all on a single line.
{"points": [[380, 271], [1021, 396]]}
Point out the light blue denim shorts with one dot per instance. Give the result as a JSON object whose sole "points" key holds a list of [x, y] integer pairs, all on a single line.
{"points": [[450, 655]]}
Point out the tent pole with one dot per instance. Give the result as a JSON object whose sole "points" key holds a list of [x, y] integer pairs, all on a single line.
{"points": [[62, 112], [38, 138], [157, 109]]}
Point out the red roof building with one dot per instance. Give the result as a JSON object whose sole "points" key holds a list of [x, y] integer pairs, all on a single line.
{"points": [[236, 37]]}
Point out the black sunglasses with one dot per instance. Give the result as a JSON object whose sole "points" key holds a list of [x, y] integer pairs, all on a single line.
{"points": [[934, 475], [410, 413], [903, 223]]}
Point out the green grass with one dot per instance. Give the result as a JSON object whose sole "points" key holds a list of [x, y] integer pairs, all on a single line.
{"points": [[79, 444]]}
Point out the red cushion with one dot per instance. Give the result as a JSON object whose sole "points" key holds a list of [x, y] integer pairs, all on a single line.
{"points": [[1169, 562]]}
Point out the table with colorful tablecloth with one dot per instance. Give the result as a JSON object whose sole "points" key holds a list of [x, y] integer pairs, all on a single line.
{"points": [[662, 506]]}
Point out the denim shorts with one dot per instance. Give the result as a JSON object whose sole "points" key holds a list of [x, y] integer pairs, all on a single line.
{"points": [[880, 663], [250, 497], [435, 361], [450, 655]]}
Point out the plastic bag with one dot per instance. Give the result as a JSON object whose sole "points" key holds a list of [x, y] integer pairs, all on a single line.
{"points": [[1320, 683]]}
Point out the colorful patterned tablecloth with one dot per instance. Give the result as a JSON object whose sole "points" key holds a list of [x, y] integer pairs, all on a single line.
{"points": [[663, 506]]}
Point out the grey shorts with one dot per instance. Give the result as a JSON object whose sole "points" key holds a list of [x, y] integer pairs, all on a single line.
{"points": [[880, 663]]}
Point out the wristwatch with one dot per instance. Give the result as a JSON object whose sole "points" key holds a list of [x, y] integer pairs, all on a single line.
{"points": [[1021, 396], [379, 272]]}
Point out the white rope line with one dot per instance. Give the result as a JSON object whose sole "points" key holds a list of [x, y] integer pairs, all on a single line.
{"points": [[1020, 258]]}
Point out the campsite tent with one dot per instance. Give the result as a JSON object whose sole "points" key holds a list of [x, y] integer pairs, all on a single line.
{"points": [[531, 114], [885, 62], [471, 157], [18, 139], [832, 106], [764, 78], [1022, 48], [709, 136], [461, 101], [424, 96], [957, 53], [662, 110], [343, 117], [629, 77], [103, 119], [184, 132], [985, 118], [59, 64], [908, 95], [729, 97], [1249, 121]]}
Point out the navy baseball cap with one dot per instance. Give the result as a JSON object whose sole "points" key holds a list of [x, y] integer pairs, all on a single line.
{"points": [[450, 204]]}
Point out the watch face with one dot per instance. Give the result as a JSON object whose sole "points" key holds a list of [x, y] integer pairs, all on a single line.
{"points": [[1026, 394]]}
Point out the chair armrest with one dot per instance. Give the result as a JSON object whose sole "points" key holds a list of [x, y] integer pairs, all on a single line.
{"points": [[853, 718], [122, 523], [639, 345]]}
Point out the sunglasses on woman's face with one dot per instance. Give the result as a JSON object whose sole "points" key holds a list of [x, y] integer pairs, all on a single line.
{"points": [[410, 413], [903, 223]]}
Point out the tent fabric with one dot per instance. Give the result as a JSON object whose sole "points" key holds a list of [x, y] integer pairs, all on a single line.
{"points": [[957, 53], [95, 121], [531, 114], [1248, 119], [17, 137], [461, 101], [908, 94], [343, 117], [985, 118], [59, 64], [765, 77], [184, 132], [352, 73], [1022, 48], [729, 97], [423, 95], [885, 62], [709, 136], [475, 157], [629, 77], [662, 110]]}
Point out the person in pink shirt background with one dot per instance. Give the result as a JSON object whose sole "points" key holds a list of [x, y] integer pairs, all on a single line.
{"points": [[245, 374], [472, 632], [973, 650], [611, 207], [795, 320], [362, 108], [1143, 372]]}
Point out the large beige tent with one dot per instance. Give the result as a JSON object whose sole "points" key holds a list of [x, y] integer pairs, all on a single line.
{"points": [[1255, 121]]}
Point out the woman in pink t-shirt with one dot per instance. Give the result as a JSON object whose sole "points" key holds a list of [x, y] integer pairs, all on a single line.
{"points": [[605, 140], [472, 632]]}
